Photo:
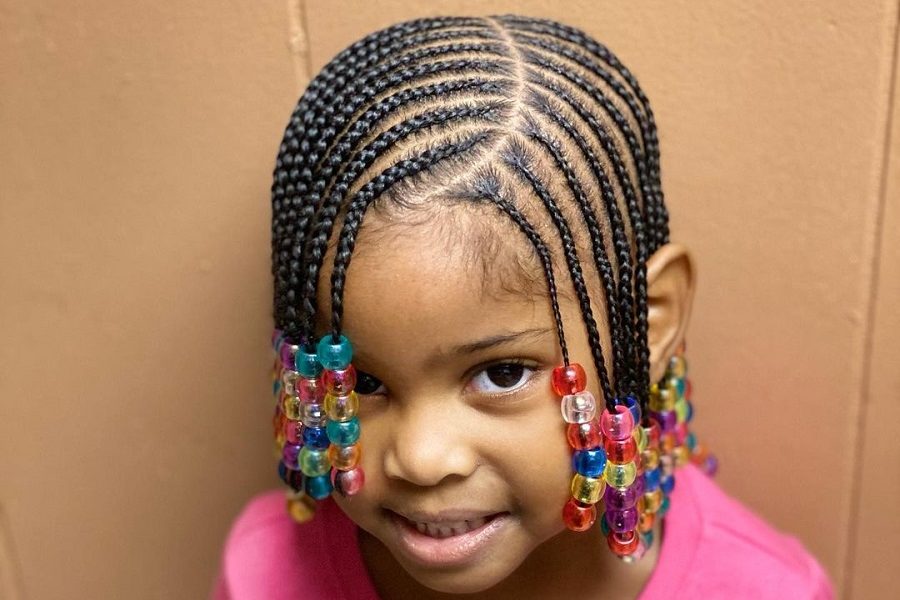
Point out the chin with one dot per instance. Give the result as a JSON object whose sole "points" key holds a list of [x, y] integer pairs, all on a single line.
{"points": [[477, 578]]}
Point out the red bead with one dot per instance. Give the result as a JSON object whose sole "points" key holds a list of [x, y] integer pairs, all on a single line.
{"points": [[579, 516], [569, 379], [623, 544], [348, 483], [340, 383], [688, 389], [651, 428], [620, 451], [584, 436]]}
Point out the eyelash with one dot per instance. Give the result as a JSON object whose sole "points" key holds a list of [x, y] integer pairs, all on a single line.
{"points": [[528, 374]]}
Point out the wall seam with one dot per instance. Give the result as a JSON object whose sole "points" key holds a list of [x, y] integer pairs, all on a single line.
{"points": [[298, 42], [869, 327]]}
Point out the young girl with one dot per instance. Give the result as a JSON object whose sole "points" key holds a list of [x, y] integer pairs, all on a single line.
{"points": [[494, 399]]}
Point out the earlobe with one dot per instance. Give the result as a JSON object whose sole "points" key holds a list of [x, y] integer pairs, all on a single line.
{"points": [[671, 279]]}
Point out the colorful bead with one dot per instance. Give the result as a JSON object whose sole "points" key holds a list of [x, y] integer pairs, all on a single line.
{"points": [[343, 433], [651, 428], [589, 463], [617, 425], [344, 458], [604, 528], [340, 383], [651, 479], [587, 489], [314, 463], [288, 380], [667, 420], [681, 455], [290, 477], [652, 500], [584, 436], [579, 516], [578, 408], [634, 406], [318, 487], [667, 484], [568, 379], [315, 438], [334, 356], [290, 454], [310, 389], [341, 408], [292, 407], [620, 451], [646, 522], [620, 498], [306, 362], [666, 465], [618, 475], [301, 507], [293, 431], [640, 438], [622, 544], [313, 414], [621, 521], [348, 483], [277, 336], [286, 353], [677, 366], [663, 507]]}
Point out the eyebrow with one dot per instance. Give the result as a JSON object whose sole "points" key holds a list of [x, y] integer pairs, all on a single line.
{"points": [[498, 340]]}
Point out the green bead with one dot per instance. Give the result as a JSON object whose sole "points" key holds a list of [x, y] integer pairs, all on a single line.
{"points": [[681, 409], [334, 356], [343, 433], [314, 463], [620, 475]]}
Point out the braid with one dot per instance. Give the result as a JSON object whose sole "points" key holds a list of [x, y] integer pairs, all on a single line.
{"points": [[516, 158]]}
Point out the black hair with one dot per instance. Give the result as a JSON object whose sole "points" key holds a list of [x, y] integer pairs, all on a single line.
{"points": [[494, 105]]}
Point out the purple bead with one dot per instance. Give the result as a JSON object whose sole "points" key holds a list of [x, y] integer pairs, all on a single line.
{"points": [[620, 498], [287, 355], [638, 486], [289, 455], [711, 465], [667, 420], [622, 521]]}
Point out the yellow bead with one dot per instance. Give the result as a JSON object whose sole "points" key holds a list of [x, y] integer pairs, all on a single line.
{"points": [[652, 501], [301, 507], [650, 458], [291, 407], [640, 438], [677, 366], [682, 456], [587, 489], [663, 400], [342, 408], [620, 476]]}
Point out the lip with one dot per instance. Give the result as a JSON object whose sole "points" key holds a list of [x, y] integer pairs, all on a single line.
{"points": [[448, 551]]}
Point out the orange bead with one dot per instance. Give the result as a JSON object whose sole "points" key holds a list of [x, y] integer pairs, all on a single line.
{"points": [[646, 522], [579, 516]]}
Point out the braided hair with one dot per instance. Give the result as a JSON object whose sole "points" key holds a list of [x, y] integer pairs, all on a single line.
{"points": [[526, 115]]}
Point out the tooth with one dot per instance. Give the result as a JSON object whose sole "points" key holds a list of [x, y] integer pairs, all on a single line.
{"points": [[420, 527]]}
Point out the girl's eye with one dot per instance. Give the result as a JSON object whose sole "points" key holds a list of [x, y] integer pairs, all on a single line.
{"points": [[503, 377], [366, 384]]}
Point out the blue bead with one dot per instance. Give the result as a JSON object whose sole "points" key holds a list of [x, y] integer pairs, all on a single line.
{"points": [[690, 413], [335, 356], [589, 463], [276, 388], [691, 441], [318, 487], [315, 438], [343, 433], [681, 386], [604, 526], [306, 361], [290, 477], [647, 538], [667, 484], [651, 480], [663, 508], [634, 406]]}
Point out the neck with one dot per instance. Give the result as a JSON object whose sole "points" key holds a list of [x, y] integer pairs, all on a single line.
{"points": [[569, 565]]}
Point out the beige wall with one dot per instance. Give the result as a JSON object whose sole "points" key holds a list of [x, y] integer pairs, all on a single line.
{"points": [[136, 143]]}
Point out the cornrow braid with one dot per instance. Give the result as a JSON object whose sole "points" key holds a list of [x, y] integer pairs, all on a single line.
{"points": [[515, 88]]}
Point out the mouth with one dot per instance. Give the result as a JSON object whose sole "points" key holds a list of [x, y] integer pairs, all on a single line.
{"points": [[447, 541]]}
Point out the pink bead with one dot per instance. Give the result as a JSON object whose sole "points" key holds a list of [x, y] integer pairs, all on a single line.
{"points": [[293, 431], [348, 483], [310, 390], [618, 425], [340, 383]]}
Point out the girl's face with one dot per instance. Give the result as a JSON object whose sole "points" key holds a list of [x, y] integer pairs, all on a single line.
{"points": [[464, 449]]}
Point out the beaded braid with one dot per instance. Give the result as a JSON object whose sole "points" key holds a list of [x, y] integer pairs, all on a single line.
{"points": [[505, 82]]}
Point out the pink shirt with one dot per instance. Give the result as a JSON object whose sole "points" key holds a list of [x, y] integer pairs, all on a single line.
{"points": [[712, 548]]}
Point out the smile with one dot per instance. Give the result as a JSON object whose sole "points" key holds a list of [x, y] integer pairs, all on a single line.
{"points": [[445, 542]]}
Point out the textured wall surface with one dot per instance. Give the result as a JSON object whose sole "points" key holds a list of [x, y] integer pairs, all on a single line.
{"points": [[136, 150]]}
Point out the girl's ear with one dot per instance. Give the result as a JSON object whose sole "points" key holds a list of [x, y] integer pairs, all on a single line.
{"points": [[670, 296]]}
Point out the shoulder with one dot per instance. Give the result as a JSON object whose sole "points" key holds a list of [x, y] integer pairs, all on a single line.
{"points": [[268, 555], [730, 552]]}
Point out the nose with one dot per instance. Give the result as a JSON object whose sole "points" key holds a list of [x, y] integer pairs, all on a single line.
{"points": [[430, 442]]}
